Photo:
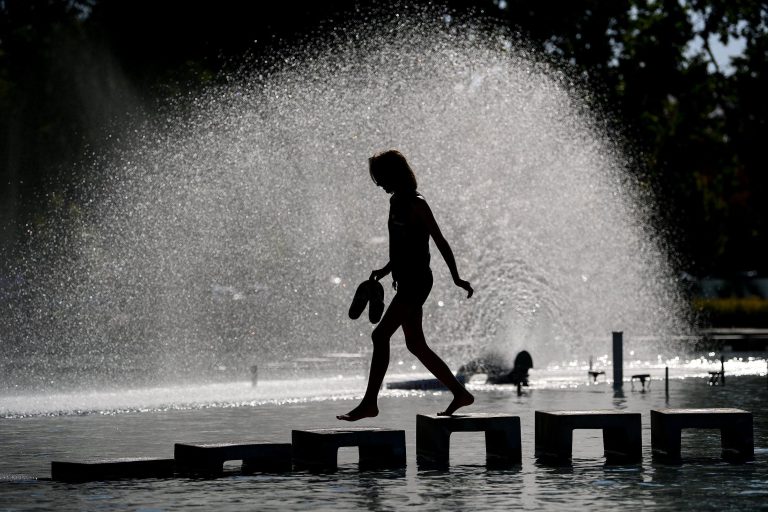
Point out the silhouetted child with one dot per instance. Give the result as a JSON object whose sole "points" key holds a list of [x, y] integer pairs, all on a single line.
{"points": [[411, 223]]}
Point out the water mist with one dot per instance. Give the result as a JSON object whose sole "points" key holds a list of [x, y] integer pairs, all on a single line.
{"points": [[235, 229]]}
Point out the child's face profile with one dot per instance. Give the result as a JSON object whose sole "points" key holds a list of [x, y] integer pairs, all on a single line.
{"points": [[385, 183]]}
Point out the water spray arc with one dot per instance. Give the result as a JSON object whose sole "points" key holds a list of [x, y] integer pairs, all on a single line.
{"points": [[234, 233]]}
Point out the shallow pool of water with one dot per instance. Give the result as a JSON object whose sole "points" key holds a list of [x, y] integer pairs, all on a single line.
{"points": [[28, 444]]}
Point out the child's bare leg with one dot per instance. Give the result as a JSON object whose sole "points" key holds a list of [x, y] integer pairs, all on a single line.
{"points": [[417, 344], [368, 407], [379, 364]]}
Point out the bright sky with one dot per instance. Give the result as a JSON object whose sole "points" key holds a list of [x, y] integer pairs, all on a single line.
{"points": [[724, 53]]}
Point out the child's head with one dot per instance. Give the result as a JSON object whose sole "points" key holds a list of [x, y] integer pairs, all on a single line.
{"points": [[391, 171]]}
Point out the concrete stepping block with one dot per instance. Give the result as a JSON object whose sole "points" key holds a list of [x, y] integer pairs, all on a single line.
{"points": [[622, 438], [736, 431], [502, 437], [379, 448], [209, 458], [111, 469]]}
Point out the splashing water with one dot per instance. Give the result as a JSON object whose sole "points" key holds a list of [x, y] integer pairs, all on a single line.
{"points": [[235, 229]]}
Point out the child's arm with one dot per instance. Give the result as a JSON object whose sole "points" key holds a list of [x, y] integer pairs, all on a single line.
{"points": [[378, 274], [424, 213]]}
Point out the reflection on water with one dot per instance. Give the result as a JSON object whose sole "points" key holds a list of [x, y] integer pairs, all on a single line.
{"points": [[345, 383], [29, 444]]}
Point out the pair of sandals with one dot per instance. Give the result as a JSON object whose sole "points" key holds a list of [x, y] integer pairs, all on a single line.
{"points": [[372, 292]]}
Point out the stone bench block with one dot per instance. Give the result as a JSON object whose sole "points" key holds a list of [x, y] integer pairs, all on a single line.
{"points": [[736, 432], [502, 437], [210, 457], [642, 377], [318, 449], [111, 469], [622, 438]]}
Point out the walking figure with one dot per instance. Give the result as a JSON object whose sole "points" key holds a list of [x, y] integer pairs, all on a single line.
{"points": [[410, 224]]}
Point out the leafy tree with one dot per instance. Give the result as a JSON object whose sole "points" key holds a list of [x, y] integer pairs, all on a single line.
{"points": [[696, 129], [67, 68]]}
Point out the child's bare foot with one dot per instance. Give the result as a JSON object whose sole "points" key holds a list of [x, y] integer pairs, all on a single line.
{"points": [[360, 412], [461, 400]]}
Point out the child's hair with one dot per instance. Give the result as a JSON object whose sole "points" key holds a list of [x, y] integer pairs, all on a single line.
{"points": [[391, 166]]}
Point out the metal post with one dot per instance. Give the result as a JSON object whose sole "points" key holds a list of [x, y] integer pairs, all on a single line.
{"points": [[618, 360], [254, 375], [666, 382], [722, 370]]}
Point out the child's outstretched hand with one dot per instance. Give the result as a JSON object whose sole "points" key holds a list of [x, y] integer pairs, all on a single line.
{"points": [[465, 284]]}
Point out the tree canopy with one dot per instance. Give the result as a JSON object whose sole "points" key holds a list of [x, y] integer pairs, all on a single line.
{"points": [[68, 67]]}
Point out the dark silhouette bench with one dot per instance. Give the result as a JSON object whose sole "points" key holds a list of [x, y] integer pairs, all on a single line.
{"points": [[502, 437], [595, 374], [210, 458], [90, 470], [622, 439], [736, 432], [718, 378], [642, 377], [379, 448]]}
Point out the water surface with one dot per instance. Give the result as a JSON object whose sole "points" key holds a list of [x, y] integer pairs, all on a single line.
{"points": [[703, 482]]}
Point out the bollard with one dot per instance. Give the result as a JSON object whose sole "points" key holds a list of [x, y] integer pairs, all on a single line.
{"points": [[722, 370], [254, 375], [618, 360]]}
